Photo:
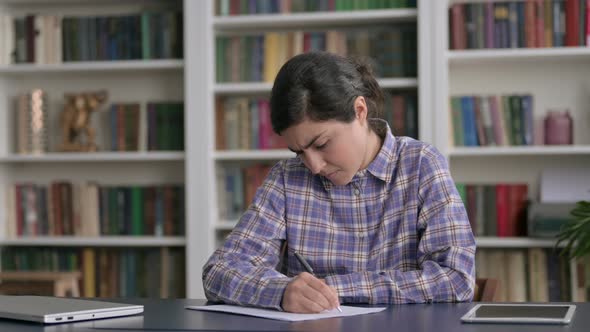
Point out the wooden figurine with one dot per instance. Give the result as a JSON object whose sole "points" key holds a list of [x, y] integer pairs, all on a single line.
{"points": [[75, 121]]}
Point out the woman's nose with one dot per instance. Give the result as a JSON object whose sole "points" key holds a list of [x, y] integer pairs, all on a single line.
{"points": [[314, 162]]}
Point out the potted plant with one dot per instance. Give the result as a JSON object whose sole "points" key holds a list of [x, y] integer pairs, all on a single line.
{"points": [[576, 234]]}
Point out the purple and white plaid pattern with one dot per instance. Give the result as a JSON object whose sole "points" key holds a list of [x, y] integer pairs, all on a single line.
{"points": [[398, 233]]}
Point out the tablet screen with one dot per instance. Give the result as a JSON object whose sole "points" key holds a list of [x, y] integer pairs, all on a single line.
{"points": [[523, 311]]}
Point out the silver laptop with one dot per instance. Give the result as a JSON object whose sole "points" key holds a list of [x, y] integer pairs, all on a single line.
{"points": [[46, 309]]}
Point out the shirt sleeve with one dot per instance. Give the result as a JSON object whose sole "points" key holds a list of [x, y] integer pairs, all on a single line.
{"points": [[445, 253], [243, 270]]}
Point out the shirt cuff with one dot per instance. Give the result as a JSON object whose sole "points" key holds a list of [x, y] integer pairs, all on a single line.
{"points": [[273, 295], [351, 288]]}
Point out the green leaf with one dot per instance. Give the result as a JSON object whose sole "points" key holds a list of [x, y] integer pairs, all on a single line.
{"points": [[575, 235]]}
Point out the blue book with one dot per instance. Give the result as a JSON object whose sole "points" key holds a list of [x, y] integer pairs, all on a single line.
{"points": [[527, 119], [469, 125]]}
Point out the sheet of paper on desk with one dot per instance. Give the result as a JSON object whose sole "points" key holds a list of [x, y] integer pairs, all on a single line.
{"points": [[279, 315]]}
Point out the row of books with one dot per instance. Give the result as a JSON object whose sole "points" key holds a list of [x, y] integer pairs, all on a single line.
{"points": [[492, 120], [236, 187], [243, 123], [87, 209], [257, 58], [125, 272], [157, 127], [496, 210], [48, 39], [249, 7], [531, 275], [400, 110], [518, 24]]}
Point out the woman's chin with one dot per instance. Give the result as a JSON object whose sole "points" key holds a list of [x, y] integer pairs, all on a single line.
{"points": [[338, 178]]}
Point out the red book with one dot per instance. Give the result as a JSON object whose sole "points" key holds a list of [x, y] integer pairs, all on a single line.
{"points": [[458, 34], [251, 183], [168, 210], [398, 110], [19, 209], [306, 42], [572, 9], [264, 125], [471, 207], [149, 210], [56, 197], [517, 206], [120, 127], [234, 7], [530, 26], [502, 212]]}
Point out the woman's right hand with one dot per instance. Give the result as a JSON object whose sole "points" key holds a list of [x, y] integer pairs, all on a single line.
{"points": [[308, 294]]}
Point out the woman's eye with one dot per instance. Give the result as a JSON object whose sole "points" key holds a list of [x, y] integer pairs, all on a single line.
{"points": [[321, 147]]}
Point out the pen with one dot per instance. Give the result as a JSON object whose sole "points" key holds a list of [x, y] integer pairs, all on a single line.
{"points": [[308, 268]]}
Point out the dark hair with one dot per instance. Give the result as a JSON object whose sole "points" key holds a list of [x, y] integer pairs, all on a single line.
{"points": [[322, 86]]}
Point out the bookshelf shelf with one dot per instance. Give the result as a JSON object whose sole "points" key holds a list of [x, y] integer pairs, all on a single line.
{"points": [[105, 241], [253, 155], [520, 151], [317, 19], [518, 54], [95, 157], [261, 87], [514, 242], [93, 66]]}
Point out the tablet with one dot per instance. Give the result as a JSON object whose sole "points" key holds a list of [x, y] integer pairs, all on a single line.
{"points": [[520, 313]]}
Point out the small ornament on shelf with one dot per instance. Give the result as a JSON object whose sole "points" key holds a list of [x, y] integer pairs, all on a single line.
{"points": [[558, 128], [75, 120], [32, 122]]}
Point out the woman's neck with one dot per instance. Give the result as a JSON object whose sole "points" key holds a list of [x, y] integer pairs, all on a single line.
{"points": [[374, 143]]}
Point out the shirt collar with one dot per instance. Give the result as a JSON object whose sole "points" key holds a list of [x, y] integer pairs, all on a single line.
{"points": [[382, 166]]}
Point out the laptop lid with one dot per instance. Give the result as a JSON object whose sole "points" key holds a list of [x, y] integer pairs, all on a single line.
{"points": [[46, 309]]}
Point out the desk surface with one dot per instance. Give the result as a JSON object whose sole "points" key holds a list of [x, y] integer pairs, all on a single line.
{"points": [[170, 315]]}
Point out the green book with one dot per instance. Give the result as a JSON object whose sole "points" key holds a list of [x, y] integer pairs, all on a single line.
{"points": [[516, 120], [220, 46], [137, 211], [457, 116]]}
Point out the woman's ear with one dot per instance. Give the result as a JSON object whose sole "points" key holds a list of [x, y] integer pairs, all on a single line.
{"points": [[360, 108]]}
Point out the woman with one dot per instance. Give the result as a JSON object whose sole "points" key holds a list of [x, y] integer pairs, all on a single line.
{"points": [[377, 217]]}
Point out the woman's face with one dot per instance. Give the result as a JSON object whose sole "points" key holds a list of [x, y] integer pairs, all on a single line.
{"points": [[334, 149]]}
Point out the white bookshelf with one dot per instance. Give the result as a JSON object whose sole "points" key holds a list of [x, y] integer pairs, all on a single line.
{"points": [[125, 81], [98, 157], [102, 241], [89, 66], [261, 87], [556, 77], [514, 242], [319, 19], [253, 155], [524, 151], [499, 56], [207, 238]]}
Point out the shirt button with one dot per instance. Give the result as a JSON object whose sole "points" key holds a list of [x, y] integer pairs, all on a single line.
{"points": [[357, 192]]}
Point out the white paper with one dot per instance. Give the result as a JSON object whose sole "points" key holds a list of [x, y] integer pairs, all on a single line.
{"points": [[569, 185], [287, 316]]}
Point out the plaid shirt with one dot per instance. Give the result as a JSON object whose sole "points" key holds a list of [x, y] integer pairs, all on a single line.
{"points": [[397, 233]]}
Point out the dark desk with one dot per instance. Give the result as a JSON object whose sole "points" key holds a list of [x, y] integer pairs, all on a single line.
{"points": [[170, 315]]}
